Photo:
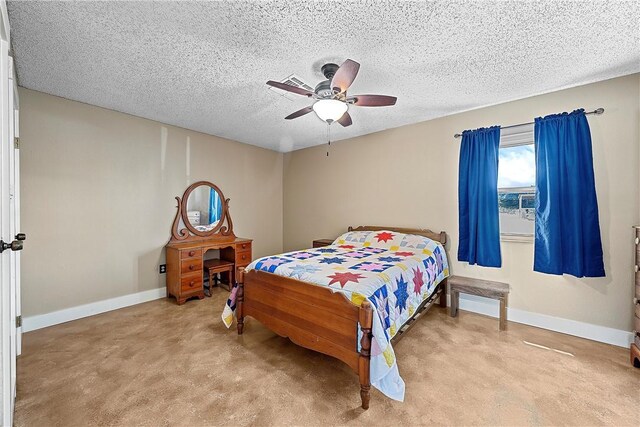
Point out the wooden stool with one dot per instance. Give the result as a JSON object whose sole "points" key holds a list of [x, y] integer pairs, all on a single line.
{"points": [[215, 266], [479, 287]]}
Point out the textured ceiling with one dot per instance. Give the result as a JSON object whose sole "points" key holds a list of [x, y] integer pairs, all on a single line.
{"points": [[203, 66]]}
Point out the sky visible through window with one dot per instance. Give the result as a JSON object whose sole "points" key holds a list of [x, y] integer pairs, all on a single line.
{"points": [[517, 171], [516, 166]]}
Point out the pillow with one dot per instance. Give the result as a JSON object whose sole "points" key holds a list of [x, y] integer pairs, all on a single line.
{"points": [[384, 239], [415, 241]]}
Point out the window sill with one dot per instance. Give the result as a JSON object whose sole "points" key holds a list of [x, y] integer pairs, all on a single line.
{"points": [[519, 238]]}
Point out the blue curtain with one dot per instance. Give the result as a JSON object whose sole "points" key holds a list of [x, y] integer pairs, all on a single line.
{"points": [[215, 206], [567, 238], [478, 197]]}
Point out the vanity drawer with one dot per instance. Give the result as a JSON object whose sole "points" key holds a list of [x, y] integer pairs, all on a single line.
{"points": [[191, 282], [191, 253], [243, 258], [243, 247], [190, 265]]}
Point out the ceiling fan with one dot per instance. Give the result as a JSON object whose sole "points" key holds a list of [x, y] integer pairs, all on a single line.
{"points": [[332, 102]]}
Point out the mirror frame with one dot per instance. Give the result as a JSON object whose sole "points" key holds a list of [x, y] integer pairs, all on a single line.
{"points": [[221, 232]]}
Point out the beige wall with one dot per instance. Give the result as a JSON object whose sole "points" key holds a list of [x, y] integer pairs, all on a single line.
{"points": [[98, 192], [98, 188], [408, 177]]}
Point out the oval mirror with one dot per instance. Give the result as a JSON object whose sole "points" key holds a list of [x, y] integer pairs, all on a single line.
{"points": [[204, 208]]}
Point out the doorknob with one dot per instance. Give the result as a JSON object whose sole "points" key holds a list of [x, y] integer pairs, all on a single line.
{"points": [[16, 245]]}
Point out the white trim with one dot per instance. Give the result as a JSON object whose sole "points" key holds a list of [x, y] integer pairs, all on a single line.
{"points": [[7, 277], [490, 307], [519, 238], [528, 190], [472, 303], [49, 319], [4, 27]]}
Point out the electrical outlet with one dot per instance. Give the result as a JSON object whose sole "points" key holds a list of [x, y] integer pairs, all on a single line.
{"points": [[163, 268]]}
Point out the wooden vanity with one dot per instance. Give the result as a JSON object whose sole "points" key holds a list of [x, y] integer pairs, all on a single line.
{"points": [[185, 273], [190, 242]]}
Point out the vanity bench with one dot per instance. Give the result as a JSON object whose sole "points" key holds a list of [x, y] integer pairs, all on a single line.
{"points": [[216, 266]]}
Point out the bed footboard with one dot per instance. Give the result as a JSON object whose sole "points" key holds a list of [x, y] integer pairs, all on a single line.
{"points": [[310, 316]]}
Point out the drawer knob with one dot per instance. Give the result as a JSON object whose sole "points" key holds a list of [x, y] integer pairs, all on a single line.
{"points": [[192, 283], [244, 246], [245, 257], [191, 267], [192, 253]]}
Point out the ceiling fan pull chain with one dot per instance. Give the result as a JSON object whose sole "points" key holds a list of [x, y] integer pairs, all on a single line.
{"points": [[328, 137]]}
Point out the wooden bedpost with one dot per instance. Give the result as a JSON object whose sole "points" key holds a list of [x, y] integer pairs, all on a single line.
{"points": [[443, 293], [443, 284], [240, 300], [443, 238], [366, 323]]}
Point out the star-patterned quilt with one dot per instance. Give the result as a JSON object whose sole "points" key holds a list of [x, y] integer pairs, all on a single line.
{"points": [[396, 272]]}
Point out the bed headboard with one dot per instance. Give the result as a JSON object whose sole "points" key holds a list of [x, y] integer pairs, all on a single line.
{"points": [[438, 237]]}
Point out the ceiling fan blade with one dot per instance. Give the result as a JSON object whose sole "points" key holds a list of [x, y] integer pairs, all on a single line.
{"points": [[305, 110], [345, 75], [290, 88], [373, 100], [345, 120]]}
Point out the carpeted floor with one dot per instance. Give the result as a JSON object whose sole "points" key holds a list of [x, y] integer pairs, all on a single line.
{"points": [[159, 364]]}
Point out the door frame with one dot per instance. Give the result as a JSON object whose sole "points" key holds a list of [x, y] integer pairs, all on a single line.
{"points": [[6, 308], [9, 221]]}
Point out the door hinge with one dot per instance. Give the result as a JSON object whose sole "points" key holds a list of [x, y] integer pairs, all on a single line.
{"points": [[16, 143], [18, 321]]}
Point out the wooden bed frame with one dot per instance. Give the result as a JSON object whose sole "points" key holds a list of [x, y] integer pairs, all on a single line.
{"points": [[314, 317]]}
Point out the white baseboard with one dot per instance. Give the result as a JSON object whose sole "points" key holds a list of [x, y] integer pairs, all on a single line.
{"points": [[490, 307], [54, 318], [471, 303]]}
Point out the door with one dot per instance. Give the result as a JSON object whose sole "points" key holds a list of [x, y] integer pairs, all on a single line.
{"points": [[14, 215], [10, 239]]}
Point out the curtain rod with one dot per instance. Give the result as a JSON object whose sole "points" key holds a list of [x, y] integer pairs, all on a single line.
{"points": [[597, 111]]}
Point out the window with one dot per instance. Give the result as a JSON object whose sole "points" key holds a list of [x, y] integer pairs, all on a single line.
{"points": [[516, 184]]}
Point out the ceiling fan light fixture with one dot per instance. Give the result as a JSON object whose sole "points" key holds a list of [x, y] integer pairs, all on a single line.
{"points": [[330, 110], [332, 103]]}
